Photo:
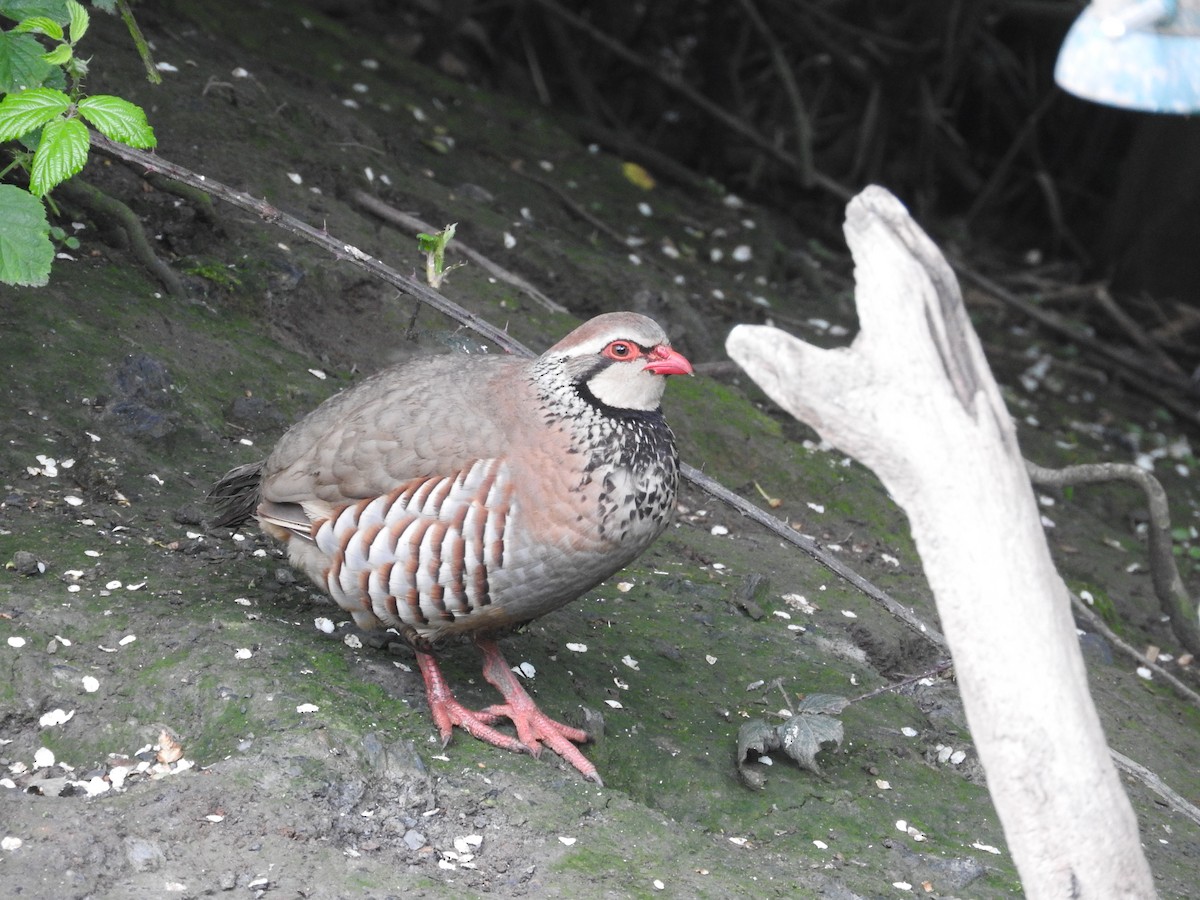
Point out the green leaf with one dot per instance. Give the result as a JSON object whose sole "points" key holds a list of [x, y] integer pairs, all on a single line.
{"points": [[22, 113], [19, 10], [40, 25], [118, 119], [25, 248], [60, 55], [21, 63], [61, 153], [79, 20]]}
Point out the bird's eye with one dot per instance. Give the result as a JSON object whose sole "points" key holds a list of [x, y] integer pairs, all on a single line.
{"points": [[620, 350]]}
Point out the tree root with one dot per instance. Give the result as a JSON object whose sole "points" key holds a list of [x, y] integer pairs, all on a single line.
{"points": [[1168, 585], [117, 214]]}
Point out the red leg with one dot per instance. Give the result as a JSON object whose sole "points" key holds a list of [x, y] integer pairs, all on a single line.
{"points": [[448, 712], [534, 728]]}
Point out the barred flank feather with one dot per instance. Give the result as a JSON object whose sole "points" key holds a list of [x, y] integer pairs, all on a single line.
{"points": [[236, 495]]}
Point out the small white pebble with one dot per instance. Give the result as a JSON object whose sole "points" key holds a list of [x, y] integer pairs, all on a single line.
{"points": [[902, 885], [166, 67], [710, 659], [317, 373], [568, 841], [615, 704], [986, 848], [908, 732], [577, 648], [215, 818], [307, 708], [43, 758], [10, 843], [72, 500], [372, 64], [1144, 672], [820, 845], [849, 614], [957, 757], [16, 641], [324, 625], [112, 585], [295, 178], [525, 669], [353, 641], [624, 586], [883, 785], [719, 530], [742, 253], [630, 661], [658, 885], [644, 209], [128, 639], [55, 717], [509, 241], [242, 653], [816, 507], [91, 684], [239, 72]]}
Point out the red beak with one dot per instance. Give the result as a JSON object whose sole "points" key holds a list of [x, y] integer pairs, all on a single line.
{"points": [[665, 361]]}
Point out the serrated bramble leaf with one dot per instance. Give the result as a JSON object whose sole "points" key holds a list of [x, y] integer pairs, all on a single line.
{"points": [[40, 25], [119, 120], [19, 10], [60, 55], [24, 112], [26, 252], [21, 63], [803, 736], [61, 153], [79, 20]]}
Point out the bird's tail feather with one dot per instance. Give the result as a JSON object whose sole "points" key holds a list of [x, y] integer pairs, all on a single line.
{"points": [[236, 495]]}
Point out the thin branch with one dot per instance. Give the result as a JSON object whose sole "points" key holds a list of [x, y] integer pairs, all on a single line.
{"points": [[1098, 625], [1168, 585], [783, 69]]}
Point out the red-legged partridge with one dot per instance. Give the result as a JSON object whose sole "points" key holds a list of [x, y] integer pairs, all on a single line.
{"points": [[468, 495]]}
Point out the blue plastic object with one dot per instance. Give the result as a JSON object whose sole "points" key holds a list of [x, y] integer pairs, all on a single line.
{"points": [[1137, 55]]}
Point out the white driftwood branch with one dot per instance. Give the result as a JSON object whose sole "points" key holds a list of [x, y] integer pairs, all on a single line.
{"points": [[912, 398]]}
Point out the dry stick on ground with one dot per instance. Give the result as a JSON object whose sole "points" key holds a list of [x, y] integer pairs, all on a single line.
{"points": [[404, 220], [1168, 585], [416, 289], [912, 398], [1093, 621]]}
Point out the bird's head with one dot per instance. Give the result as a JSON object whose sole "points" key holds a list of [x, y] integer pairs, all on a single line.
{"points": [[618, 359]]}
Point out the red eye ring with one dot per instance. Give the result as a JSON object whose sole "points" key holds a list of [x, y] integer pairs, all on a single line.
{"points": [[621, 351]]}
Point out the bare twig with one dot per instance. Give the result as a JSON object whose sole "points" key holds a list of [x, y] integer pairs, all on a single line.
{"points": [[1098, 625], [1156, 784], [1168, 585], [1136, 333]]}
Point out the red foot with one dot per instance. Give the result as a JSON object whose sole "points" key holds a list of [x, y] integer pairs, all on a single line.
{"points": [[534, 727]]}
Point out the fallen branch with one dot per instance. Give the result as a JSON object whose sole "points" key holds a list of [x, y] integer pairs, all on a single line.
{"points": [[913, 399], [1164, 574]]}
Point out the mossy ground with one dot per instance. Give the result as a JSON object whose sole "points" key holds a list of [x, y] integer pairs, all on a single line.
{"points": [[307, 799]]}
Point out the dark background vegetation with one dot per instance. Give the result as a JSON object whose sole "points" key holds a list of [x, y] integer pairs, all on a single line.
{"points": [[950, 104]]}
